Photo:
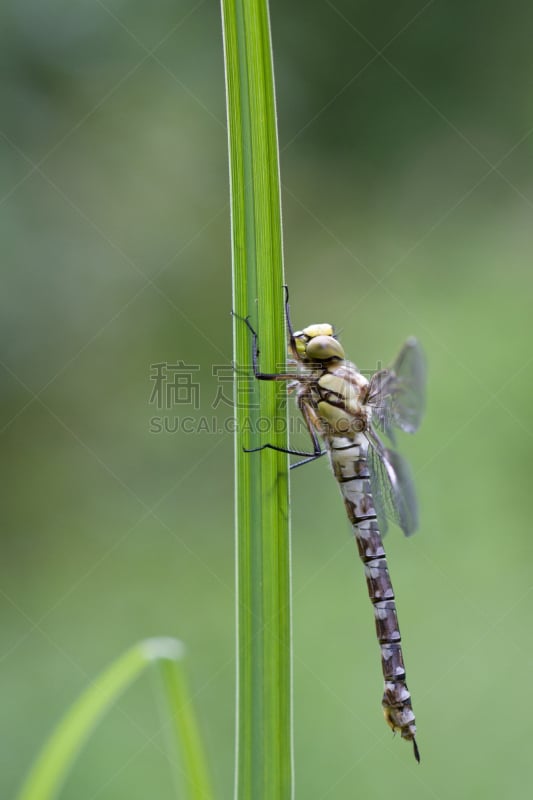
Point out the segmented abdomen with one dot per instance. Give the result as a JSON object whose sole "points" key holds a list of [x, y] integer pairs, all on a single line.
{"points": [[348, 459]]}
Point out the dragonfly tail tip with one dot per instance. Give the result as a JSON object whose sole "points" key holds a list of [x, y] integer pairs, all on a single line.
{"points": [[417, 752]]}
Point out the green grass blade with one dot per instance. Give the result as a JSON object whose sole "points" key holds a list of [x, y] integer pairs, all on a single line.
{"points": [[185, 728], [59, 753], [264, 708]]}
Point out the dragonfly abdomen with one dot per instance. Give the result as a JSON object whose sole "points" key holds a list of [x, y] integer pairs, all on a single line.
{"points": [[351, 470]]}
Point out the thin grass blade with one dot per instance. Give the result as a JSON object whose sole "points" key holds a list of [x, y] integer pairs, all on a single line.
{"points": [[64, 744]]}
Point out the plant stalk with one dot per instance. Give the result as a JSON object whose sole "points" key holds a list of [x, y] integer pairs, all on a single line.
{"points": [[264, 769]]}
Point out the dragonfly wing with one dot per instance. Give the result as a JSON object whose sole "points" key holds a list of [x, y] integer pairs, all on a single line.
{"points": [[392, 487], [379, 484], [397, 394], [380, 394]]}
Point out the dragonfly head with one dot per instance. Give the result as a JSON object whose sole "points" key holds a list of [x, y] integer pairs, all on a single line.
{"points": [[317, 343]]}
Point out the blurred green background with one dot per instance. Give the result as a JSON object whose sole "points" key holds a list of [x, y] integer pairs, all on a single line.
{"points": [[406, 134]]}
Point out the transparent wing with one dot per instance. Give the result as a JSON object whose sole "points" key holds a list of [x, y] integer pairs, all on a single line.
{"points": [[392, 487], [397, 394]]}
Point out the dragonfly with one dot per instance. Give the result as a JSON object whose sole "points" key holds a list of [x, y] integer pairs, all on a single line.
{"points": [[348, 416]]}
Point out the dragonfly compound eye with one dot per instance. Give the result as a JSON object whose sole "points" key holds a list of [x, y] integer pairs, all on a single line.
{"points": [[322, 348]]}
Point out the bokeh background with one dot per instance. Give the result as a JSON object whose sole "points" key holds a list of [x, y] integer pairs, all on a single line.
{"points": [[406, 133]]}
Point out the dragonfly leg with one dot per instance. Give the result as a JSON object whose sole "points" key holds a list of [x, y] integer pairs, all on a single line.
{"points": [[308, 460], [289, 323], [312, 423], [288, 450], [311, 419], [261, 376]]}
